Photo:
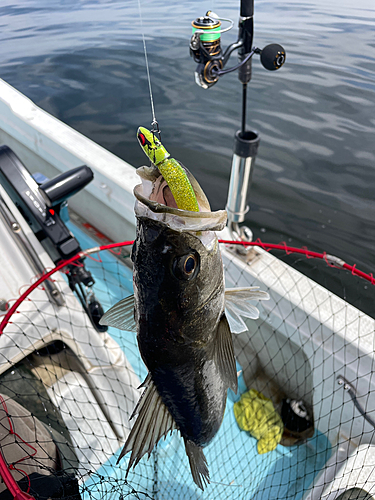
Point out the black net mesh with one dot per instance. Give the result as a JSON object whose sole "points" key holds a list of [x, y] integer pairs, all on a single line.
{"points": [[305, 371]]}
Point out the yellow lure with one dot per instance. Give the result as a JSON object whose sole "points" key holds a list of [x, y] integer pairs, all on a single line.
{"points": [[170, 169]]}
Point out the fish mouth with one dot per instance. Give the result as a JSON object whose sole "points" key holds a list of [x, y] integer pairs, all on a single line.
{"points": [[154, 200]]}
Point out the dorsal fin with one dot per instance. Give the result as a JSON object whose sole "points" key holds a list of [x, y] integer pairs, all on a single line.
{"points": [[224, 354], [121, 315]]}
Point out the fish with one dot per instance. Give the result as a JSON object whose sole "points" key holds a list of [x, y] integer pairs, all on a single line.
{"points": [[182, 315]]}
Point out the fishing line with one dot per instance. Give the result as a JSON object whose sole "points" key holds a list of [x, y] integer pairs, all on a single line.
{"points": [[154, 123]]}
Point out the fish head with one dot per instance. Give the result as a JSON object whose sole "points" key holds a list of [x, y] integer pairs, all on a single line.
{"points": [[151, 145], [178, 277]]}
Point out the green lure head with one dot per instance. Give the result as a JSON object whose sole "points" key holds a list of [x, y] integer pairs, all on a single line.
{"points": [[151, 146]]}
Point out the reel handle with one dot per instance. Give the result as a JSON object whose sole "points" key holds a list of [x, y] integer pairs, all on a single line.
{"points": [[272, 56]]}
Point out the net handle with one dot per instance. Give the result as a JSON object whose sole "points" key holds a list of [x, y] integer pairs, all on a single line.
{"points": [[11, 483], [331, 260]]}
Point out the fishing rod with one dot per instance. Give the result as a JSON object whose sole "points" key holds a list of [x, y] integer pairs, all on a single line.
{"points": [[206, 50]]}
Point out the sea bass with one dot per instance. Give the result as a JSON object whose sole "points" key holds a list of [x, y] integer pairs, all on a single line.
{"points": [[183, 317]]}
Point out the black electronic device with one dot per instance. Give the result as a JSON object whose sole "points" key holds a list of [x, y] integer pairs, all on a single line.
{"points": [[35, 205], [40, 206], [65, 185]]}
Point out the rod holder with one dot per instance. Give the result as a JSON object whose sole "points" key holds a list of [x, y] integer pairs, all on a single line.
{"points": [[244, 154]]}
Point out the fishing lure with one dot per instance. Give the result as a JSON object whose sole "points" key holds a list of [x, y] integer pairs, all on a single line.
{"points": [[171, 169]]}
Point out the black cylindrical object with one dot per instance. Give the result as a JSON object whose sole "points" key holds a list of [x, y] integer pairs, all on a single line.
{"points": [[295, 416], [247, 8], [65, 185], [246, 144], [246, 33]]}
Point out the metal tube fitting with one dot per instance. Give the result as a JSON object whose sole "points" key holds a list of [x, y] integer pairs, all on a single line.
{"points": [[244, 153]]}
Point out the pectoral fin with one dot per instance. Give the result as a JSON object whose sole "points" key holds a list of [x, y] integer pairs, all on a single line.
{"points": [[153, 422], [224, 354], [237, 305], [121, 315]]}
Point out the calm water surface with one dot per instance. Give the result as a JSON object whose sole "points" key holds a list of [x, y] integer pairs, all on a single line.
{"points": [[314, 181]]}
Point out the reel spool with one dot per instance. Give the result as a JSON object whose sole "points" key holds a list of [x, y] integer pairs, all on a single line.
{"points": [[207, 30], [206, 50]]}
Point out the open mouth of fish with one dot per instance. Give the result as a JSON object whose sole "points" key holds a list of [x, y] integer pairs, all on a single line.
{"points": [[155, 201]]}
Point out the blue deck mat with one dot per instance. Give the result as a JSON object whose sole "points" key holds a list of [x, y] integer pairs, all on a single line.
{"points": [[237, 471]]}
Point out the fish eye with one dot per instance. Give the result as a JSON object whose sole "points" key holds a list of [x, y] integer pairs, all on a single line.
{"points": [[186, 267], [142, 139], [189, 264]]}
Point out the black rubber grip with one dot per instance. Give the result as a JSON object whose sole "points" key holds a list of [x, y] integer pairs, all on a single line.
{"points": [[246, 145], [247, 8]]}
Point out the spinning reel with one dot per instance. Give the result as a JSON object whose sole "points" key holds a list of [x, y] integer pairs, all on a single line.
{"points": [[205, 48]]}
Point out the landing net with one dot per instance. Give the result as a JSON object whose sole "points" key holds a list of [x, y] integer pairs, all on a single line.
{"points": [[67, 392]]}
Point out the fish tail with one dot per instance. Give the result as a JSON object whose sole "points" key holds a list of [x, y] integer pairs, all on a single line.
{"points": [[198, 464]]}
